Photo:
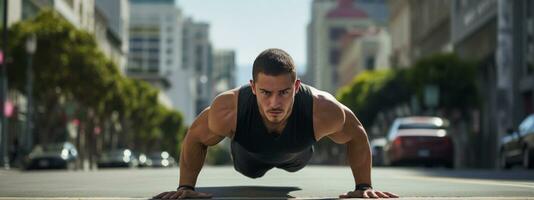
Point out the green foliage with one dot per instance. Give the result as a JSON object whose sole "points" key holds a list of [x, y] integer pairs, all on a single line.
{"points": [[68, 66], [375, 91], [455, 78]]}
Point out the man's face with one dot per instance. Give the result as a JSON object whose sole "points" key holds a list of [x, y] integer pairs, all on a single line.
{"points": [[275, 96]]}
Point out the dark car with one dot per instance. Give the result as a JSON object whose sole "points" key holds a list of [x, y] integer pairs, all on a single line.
{"points": [[160, 159], [419, 140], [53, 156], [517, 147], [377, 150], [118, 158]]}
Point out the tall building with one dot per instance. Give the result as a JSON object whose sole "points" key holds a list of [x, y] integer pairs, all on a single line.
{"points": [[117, 14], [363, 51], [331, 20], [224, 70], [431, 32], [156, 52], [198, 60], [400, 28], [79, 13], [499, 34]]}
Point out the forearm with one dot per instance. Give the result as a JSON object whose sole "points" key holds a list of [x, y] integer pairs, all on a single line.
{"points": [[192, 159], [359, 158]]}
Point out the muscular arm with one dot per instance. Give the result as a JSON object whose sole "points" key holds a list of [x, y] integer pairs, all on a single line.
{"points": [[358, 150], [194, 148], [337, 122], [210, 127], [343, 127]]}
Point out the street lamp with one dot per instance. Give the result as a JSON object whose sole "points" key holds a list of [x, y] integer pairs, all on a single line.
{"points": [[31, 47]]}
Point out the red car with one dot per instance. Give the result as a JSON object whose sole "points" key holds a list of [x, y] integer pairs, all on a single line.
{"points": [[419, 140]]}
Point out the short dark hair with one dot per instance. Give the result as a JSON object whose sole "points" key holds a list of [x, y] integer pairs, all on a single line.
{"points": [[274, 62]]}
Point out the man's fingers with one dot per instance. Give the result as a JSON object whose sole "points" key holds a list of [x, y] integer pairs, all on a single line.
{"points": [[168, 195], [184, 194], [365, 195], [371, 194], [381, 194], [175, 195], [160, 195], [204, 195], [391, 195]]}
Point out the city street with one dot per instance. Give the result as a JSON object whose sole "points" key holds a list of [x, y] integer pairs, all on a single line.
{"points": [[313, 182]]}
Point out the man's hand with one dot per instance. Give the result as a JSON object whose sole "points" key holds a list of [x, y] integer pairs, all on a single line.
{"points": [[369, 193], [182, 194]]}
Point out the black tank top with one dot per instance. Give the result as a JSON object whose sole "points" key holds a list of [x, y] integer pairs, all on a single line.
{"points": [[296, 138]]}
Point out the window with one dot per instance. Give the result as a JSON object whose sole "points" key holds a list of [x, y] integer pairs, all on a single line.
{"points": [[336, 33], [334, 56], [370, 63]]}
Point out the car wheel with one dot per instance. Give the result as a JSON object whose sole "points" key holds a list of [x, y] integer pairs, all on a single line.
{"points": [[527, 159], [503, 164]]}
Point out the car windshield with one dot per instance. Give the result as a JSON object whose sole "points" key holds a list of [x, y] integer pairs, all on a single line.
{"points": [[420, 126], [53, 148]]}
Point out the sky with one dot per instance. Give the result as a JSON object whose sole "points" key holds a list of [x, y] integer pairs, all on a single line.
{"points": [[251, 26]]}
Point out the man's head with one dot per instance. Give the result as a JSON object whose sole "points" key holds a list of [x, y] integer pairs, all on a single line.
{"points": [[274, 84]]}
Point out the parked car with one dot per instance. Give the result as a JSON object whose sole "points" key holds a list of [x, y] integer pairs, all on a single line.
{"points": [[419, 140], [517, 146], [144, 161], [161, 159], [377, 150], [118, 158], [52, 156]]}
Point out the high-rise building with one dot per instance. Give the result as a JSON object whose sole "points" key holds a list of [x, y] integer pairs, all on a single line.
{"points": [[224, 70], [331, 20], [400, 28], [117, 15], [198, 60], [156, 52]]}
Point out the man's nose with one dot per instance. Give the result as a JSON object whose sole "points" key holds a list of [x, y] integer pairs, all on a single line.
{"points": [[275, 101]]}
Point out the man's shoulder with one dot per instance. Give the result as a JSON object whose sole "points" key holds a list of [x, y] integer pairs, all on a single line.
{"points": [[223, 109], [328, 113]]}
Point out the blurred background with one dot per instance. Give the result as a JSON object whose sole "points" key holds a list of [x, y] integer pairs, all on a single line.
{"points": [[89, 84]]}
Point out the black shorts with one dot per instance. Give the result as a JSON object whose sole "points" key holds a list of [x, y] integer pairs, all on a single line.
{"points": [[253, 167]]}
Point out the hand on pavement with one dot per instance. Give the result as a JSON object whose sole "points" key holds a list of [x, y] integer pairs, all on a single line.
{"points": [[182, 194], [369, 193]]}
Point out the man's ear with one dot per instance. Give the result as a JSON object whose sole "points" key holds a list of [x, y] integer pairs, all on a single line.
{"points": [[297, 85], [252, 86]]}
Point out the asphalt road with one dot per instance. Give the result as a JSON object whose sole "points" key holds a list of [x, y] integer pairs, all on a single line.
{"points": [[313, 182]]}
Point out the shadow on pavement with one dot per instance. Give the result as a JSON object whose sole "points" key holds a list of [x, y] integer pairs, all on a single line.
{"points": [[253, 192]]}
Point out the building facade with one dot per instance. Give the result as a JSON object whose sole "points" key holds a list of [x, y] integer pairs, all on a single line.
{"points": [[400, 28], [156, 52], [499, 35], [224, 70], [199, 60], [331, 20], [368, 50]]}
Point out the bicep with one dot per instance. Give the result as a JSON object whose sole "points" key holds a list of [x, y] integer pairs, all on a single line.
{"points": [[200, 131], [352, 129]]}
